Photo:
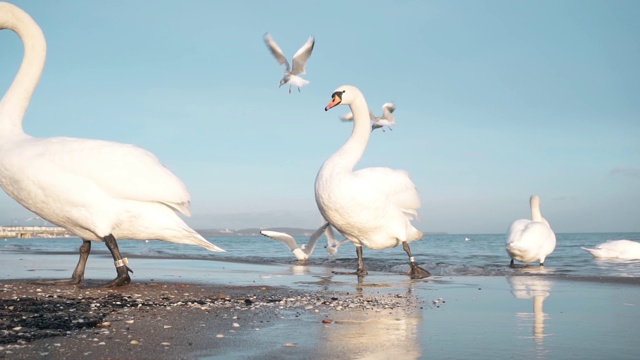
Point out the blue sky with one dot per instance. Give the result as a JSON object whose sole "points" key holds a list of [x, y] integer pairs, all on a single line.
{"points": [[496, 101]]}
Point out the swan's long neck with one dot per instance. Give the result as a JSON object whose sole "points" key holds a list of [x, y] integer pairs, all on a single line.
{"points": [[16, 100], [536, 215], [351, 152]]}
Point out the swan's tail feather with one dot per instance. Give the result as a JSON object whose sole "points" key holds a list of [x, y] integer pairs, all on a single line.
{"points": [[191, 237], [200, 241]]}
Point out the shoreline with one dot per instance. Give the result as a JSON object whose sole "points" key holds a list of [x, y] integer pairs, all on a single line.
{"points": [[202, 309]]}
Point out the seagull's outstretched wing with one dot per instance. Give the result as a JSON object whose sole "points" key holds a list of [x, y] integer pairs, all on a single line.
{"points": [[349, 116], [276, 51], [301, 56]]}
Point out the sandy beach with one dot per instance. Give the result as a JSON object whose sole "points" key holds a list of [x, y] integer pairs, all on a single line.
{"points": [[237, 310]]}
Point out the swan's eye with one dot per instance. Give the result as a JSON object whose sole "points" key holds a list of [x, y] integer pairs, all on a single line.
{"points": [[338, 94]]}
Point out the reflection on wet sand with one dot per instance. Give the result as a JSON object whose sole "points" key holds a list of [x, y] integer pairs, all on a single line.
{"points": [[538, 288], [390, 333]]}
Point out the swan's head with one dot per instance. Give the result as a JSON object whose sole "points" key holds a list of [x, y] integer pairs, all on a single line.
{"points": [[344, 95], [534, 201]]}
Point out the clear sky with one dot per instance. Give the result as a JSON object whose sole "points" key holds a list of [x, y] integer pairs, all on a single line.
{"points": [[496, 100]]}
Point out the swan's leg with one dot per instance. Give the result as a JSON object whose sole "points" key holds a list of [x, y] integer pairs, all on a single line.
{"points": [[289, 89], [298, 88], [361, 270], [512, 263], [78, 274], [415, 271], [121, 264]]}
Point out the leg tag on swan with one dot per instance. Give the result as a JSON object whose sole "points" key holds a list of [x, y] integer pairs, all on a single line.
{"points": [[121, 262]]}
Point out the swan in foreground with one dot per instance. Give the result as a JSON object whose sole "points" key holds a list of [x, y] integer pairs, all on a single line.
{"points": [[387, 119], [98, 190], [531, 240], [302, 253], [299, 61], [351, 201], [616, 249]]}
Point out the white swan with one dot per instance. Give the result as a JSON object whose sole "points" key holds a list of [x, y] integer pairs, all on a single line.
{"points": [[616, 249], [387, 119], [299, 61], [98, 190], [352, 201], [530, 240]]}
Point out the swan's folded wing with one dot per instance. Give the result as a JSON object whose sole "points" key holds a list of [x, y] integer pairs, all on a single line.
{"points": [[120, 170], [276, 51], [396, 185], [301, 56]]}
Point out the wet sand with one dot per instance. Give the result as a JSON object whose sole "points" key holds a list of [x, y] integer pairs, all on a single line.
{"points": [[195, 309]]}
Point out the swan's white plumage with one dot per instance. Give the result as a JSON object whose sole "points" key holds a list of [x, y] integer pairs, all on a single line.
{"points": [[616, 249], [531, 240], [93, 188], [371, 207]]}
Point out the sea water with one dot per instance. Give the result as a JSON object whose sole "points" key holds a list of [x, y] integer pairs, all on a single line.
{"points": [[441, 254]]}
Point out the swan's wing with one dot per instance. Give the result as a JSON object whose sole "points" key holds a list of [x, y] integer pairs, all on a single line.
{"points": [[394, 185], [301, 56], [118, 170], [276, 51], [282, 237]]}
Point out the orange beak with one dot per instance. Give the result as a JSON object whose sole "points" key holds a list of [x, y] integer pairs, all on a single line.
{"points": [[335, 100]]}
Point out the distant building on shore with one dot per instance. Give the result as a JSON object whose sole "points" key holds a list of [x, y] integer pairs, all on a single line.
{"points": [[33, 232]]}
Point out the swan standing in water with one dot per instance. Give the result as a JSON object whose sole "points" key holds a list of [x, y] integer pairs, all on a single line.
{"points": [[387, 119], [302, 253], [531, 240], [98, 190], [616, 249], [299, 61], [352, 201]]}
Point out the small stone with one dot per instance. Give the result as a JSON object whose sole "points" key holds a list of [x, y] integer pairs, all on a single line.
{"points": [[236, 325], [129, 321], [165, 343], [220, 335], [167, 326], [134, 342]]}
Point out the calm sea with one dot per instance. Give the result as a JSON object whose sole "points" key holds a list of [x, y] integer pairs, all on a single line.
{"points": [[442, 255]]}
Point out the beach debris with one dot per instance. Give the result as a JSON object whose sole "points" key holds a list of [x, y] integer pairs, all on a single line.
{"points": [[289, 345], [164, 343], [220, 335], [235, 325], [167, 326], [326, 321]]}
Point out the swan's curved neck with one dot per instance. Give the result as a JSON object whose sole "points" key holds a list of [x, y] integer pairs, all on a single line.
{"points": [[351, 152], [13, 105]]}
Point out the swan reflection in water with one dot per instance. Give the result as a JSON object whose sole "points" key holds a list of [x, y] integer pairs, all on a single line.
{"points": [[538, 288]]}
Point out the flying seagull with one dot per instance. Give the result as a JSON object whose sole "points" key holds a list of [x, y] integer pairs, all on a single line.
{"points": [[387, 119], [299, 61]]}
